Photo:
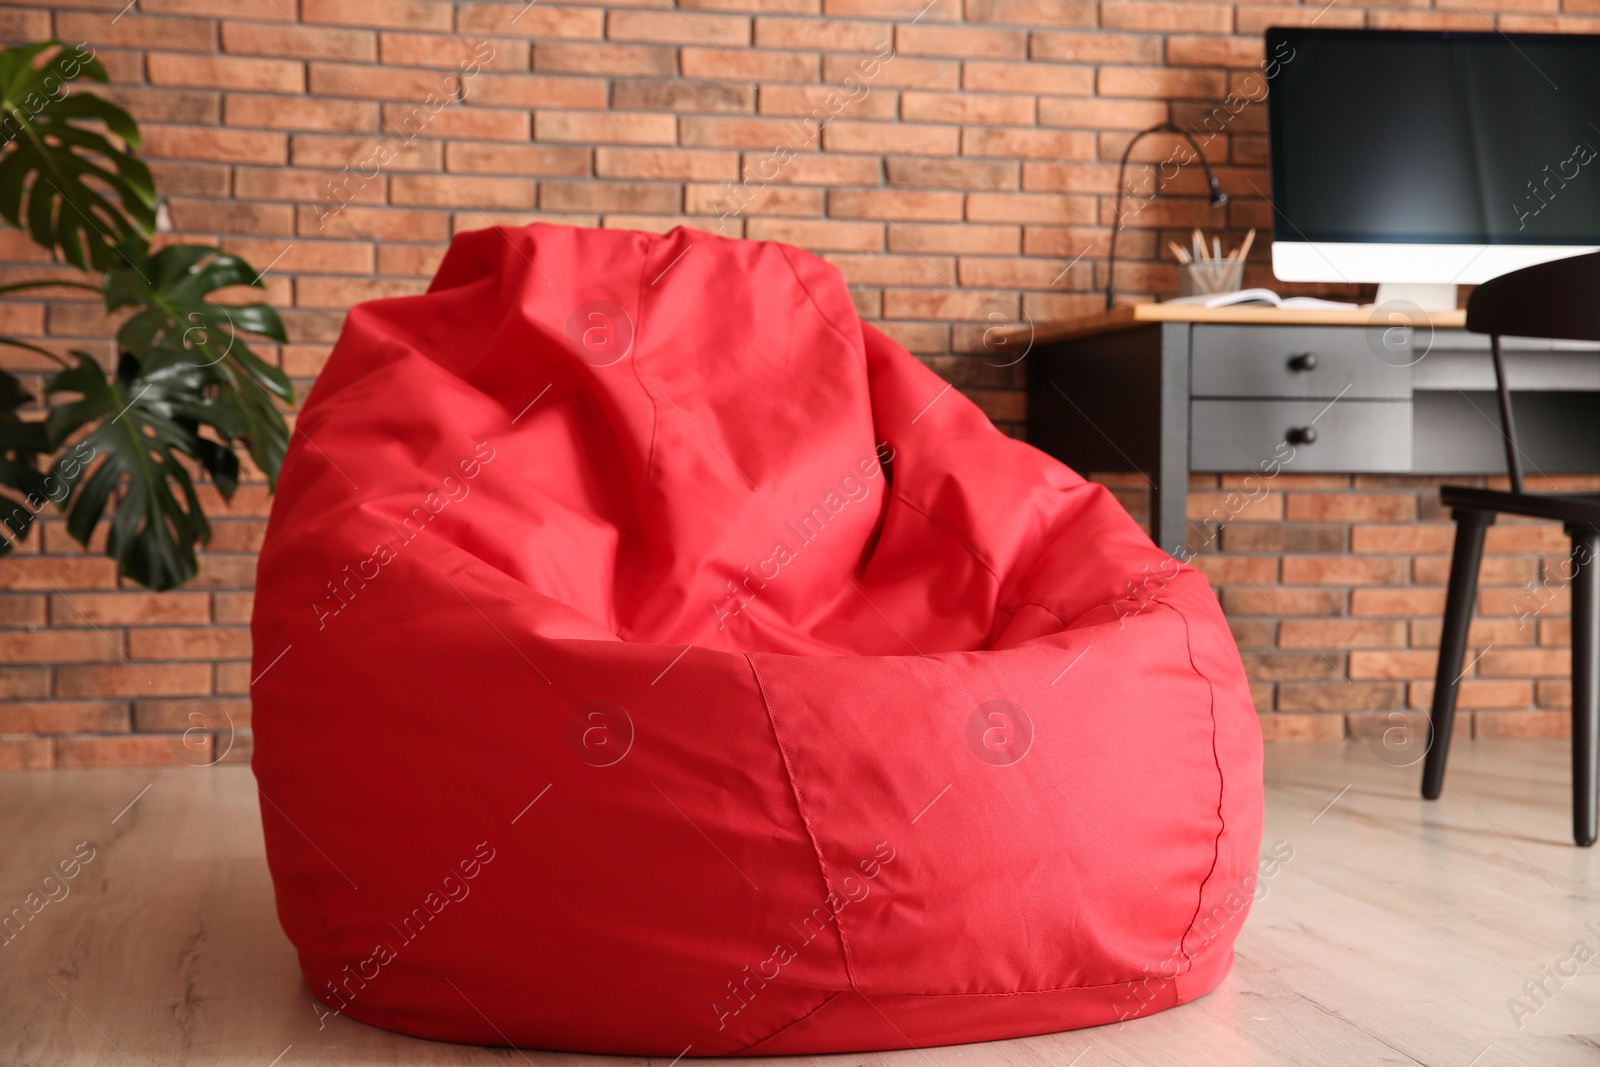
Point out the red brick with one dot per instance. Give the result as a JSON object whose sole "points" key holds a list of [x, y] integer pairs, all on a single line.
{"points": [[1404, 539], [758, 66], [311, 257], [678, 27], [857, 75], [893, 204], [826, 103], [963, 42], [298, 42], [1029, 207], [1340, 696], [1028, 12], [537, 91], [133, 681], [1522, 725], [127, 608], [222, 716], [471, 123], [1343, 633], [130, 30], [343, 292], [812, 168], [350, 116], [25, 753], [1166, 17], [529, 20], [605, 128], [1525, 663], [818, 236], [467, 157], [584, 57], [703, 199], [227, 146], [828, 35], [1393, 664], [391, 14], [879, 269], [1168, 83], [35, 573], [453, 52], [679, 95], [64, 717], [665, 163], [1494, 570], [1091, 46], [967, 238], [1036, 77], [365, 153], [226, 72], [986, 109], [1350, 507], [1343, 570], [427, 190]]}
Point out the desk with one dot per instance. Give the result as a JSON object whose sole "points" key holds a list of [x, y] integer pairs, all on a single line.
{"points": [[1165, 390]]}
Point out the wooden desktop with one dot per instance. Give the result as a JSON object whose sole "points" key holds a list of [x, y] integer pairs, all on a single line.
{"points": [[1166, 389]]}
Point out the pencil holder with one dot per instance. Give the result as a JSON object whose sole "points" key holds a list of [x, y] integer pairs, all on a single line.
{"points": [[1208, 276]]}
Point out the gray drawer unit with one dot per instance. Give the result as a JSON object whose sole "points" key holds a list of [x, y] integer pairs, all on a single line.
{"points": [[1358, 436], [1301, 361]]}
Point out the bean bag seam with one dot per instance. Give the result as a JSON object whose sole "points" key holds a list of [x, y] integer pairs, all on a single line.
{"points": [[790, 1025], [1222, 783], [794, 789], [1047, 610], [638, 376], [812, 299], [971, 551]]}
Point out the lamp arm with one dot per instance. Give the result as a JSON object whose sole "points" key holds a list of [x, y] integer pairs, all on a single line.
{"points": [[1218, 196]]}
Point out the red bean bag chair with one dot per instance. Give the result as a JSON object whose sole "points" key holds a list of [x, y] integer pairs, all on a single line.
{"points": [[653, 658]]}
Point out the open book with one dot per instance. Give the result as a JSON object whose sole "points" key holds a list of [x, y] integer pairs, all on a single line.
{"points": [[1256, 296]]}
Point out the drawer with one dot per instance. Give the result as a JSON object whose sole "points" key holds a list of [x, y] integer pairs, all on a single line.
{"points": [[1356, 436], [1301, 361]]}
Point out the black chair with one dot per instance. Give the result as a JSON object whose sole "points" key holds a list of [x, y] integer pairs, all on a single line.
{"points": [[1553, 300]]}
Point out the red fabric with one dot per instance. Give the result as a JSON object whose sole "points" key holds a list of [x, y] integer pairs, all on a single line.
{"points": [[532, 773]]}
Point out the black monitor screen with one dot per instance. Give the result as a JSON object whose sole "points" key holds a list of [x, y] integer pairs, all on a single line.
{"points": [[1435, 138]]}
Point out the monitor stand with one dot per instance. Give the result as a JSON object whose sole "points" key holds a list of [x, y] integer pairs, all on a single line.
{"points": [[1425, 297]]}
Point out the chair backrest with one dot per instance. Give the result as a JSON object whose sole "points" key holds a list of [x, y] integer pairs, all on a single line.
{"points": [[1559, 299]]}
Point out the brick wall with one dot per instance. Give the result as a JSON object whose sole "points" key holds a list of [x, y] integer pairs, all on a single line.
{"points": [[944, 155]]}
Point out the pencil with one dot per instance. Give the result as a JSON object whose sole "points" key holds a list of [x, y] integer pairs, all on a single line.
{"points": [[1244, 249]]}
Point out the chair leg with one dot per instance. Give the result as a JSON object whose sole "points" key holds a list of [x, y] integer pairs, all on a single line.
{"points": [[1470, 528], [1585, 681]]}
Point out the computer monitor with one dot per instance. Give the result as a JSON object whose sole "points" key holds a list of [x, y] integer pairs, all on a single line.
{"points": [[1426, 160]]}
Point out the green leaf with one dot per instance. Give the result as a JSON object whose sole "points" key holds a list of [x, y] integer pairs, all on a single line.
{"points": [[21, 443], [141, 428], [55, 171], [174, 318]]}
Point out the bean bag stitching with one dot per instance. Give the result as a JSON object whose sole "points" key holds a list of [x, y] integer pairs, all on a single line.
{"points": [[829, 999], [1035, 604], [794, 789], [1222, 783], [969, 549], [811, 297], [638, 350]]}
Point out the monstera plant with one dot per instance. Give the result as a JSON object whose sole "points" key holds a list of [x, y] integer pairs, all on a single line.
{"points": [[185, 393]]}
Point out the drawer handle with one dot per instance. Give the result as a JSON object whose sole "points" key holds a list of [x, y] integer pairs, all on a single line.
{"points": [[1305, 361], [1302, 435]]}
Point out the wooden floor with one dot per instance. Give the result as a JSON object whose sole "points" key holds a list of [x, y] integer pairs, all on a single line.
{"points": [[1399, 932]]}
